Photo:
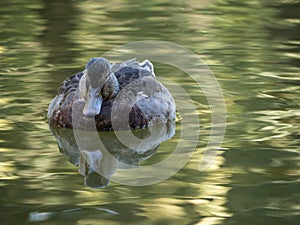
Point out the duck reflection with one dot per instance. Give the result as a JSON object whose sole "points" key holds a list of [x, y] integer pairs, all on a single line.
{"points": [[98, 165]]}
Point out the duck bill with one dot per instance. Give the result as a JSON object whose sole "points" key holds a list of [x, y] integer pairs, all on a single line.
{"points": [[93, 102]]}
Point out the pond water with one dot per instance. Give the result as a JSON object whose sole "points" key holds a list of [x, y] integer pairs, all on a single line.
{"points": [[252, 48]]}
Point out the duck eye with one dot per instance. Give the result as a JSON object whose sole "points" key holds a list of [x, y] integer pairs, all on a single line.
{"points": [[98, 94], [102, 92]]}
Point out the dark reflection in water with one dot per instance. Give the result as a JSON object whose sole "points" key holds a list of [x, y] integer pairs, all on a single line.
{"points": [[60, 17], [98, 165], [251, 46]]}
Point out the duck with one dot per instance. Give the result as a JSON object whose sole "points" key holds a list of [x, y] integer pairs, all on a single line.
{"points": [[116, 96]]}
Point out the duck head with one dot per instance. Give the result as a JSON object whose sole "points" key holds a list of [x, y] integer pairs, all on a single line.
{"points": [[97, 84]]}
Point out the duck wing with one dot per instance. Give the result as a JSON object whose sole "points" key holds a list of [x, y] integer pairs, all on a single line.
{"points": [[133, 63], [129, 74], [71, 83]]}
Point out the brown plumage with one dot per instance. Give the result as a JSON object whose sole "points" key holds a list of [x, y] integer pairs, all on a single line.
{"points": [[112, 94]]}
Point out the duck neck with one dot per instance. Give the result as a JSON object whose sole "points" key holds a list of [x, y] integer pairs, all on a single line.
{"points": [[110, 88]]}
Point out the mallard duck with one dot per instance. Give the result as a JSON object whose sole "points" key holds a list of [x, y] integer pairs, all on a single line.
{"points": [[108, 91]]}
